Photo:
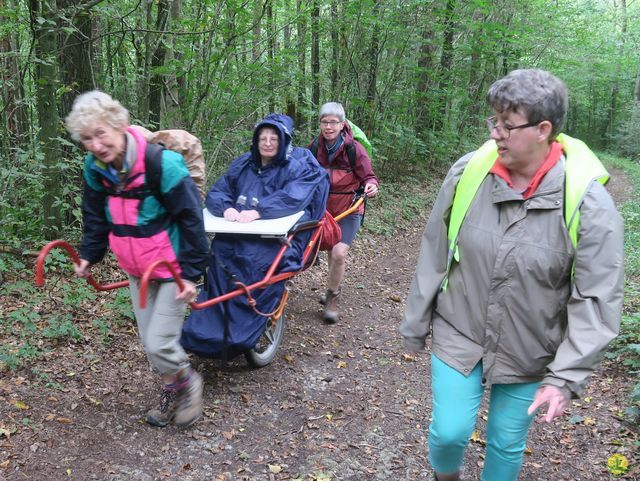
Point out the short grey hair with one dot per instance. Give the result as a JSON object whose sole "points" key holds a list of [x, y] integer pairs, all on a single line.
{"points": [[333, 108], [538, 94], [95, 106]]}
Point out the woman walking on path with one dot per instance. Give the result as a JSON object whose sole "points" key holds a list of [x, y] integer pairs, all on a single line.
{"points": [[519, 279], [347, 175], [143, 223]]}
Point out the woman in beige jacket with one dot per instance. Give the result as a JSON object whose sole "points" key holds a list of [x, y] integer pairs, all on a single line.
{"points": [[519, 279]]}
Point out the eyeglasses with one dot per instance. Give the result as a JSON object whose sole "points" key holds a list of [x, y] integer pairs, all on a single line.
{"points": [[330, 123], [504, 131]]}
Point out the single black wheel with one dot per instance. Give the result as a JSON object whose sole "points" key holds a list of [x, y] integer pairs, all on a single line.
{"points": [[264, 352]]}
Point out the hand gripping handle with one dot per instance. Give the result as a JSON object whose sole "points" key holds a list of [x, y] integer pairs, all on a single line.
{"points": [[146, 278]]}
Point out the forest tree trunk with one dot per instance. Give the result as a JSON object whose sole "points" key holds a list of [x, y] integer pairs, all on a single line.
{"points": [[315, 55], [14, 118], [46, 51], [301, 28], [158, 55]]}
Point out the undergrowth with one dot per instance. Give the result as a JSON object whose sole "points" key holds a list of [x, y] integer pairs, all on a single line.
{"points": [[626, 348], [401, 204], [35, 321]]}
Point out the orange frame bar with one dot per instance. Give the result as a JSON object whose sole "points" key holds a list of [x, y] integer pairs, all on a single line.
{"points": [[269, 278], [76, 260]]}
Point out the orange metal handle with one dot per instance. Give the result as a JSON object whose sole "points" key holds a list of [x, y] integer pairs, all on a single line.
{"points": [[146, 278], [76, 260], [351, 209]]}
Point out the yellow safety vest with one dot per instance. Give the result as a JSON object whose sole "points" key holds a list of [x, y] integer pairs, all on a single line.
{"points": [[582, 168]]}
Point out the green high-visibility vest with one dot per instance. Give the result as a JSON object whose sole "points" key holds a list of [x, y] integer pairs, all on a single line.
{"points": [[582, 168]]}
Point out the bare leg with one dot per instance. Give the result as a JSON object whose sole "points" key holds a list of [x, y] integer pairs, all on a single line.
{"points": [[337, 264]]}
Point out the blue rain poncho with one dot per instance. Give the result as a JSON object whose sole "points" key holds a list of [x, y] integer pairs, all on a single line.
{"points": [[292, 182]]}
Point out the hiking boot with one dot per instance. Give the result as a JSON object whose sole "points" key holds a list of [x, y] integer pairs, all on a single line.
{"points": [[164, 414], [189, 400], [331, 314]]}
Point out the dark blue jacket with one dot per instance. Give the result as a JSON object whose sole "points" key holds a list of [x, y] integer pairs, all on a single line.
{"points": [[294, 181]]}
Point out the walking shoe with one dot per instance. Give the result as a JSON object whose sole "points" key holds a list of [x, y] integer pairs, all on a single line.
{"points": [[164, 414], [331, 314], [189, 402]]}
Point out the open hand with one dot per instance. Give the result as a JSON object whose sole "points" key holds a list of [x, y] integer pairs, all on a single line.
{"points": [[549, 395]]}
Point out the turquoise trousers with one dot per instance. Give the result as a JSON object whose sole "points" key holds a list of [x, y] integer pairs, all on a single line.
{"points": [[456, 399]]}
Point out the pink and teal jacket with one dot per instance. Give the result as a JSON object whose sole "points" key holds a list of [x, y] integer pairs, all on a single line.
{"points": [[139, 227]]}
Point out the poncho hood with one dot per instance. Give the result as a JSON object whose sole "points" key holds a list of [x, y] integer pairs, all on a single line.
{"points": [[284, 126]]}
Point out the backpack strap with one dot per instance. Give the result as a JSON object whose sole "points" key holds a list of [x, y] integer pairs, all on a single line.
{"points": [[153, 168], [350, 148], [314, 147], [351, 153]]}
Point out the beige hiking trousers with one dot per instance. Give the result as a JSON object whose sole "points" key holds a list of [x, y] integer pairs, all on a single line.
{"points": [[160, 325]]}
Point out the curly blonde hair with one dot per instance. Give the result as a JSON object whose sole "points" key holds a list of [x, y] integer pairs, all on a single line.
{"points": [[95, 106]]}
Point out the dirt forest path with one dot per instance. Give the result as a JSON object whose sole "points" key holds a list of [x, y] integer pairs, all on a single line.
{"points": [[340, 402]]}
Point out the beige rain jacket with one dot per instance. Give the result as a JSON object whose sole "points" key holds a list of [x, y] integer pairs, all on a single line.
{"points": [[510, 301]]}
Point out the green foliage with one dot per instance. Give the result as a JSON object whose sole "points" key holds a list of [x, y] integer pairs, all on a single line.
{"points": [[14, 356], [626, 349], [103, 328], [121, 307], [75, 293], [627, 138], [630, 211], [27, 329], [19, 190], [60, 327], [398, 205], [22, 176], [35, 321], [411, 74], [44, 377]]}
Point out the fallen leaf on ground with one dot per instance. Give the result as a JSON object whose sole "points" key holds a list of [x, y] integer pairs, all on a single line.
{"points": [[475, 437], [618, 464], [7, 431], [19, 404]]}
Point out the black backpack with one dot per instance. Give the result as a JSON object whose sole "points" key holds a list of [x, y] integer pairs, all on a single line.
{"points": [[151, 186]]}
